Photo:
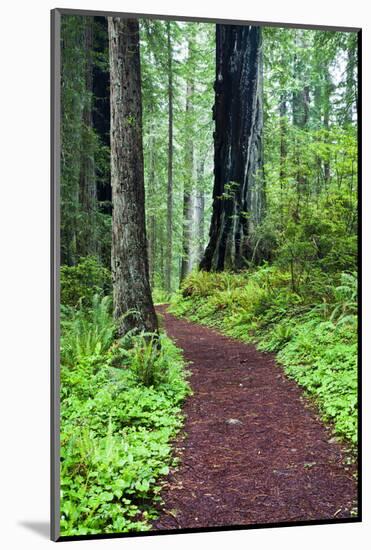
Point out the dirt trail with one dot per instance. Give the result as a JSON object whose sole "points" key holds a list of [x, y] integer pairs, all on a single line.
{"points": [[255, 452]]}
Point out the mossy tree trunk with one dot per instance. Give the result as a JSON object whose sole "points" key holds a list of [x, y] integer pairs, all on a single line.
{"points": [[133, 306]]}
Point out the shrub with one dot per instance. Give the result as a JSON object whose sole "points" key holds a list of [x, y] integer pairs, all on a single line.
{"points": [[115, 433], [80, 283], [314, 333], [202, 283], [146, 355], [345, 299], [88, 332], [323, 359], [160, 296]]}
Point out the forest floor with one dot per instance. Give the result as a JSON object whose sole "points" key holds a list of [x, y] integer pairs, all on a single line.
{"points": [[253, 450]]}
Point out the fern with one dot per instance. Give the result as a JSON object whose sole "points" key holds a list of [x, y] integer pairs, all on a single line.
{"points": [[89, 333], [346, 305]]}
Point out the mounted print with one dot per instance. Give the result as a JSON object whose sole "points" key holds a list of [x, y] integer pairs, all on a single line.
{"points": [[205, 246]]}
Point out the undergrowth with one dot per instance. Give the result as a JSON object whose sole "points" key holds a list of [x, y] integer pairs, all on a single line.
{"points": [[120, 409], [314, 332]]}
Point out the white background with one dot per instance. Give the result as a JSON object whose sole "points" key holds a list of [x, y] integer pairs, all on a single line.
{"points": [[24, 287]]}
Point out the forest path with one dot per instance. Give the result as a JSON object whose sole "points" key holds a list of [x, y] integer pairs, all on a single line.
{"points": [[255, 451]]}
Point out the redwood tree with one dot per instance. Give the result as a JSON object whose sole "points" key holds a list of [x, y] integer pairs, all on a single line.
{"points": [[188, 191], [169, 222], [133, 306], [87, 242], [238, 194]]}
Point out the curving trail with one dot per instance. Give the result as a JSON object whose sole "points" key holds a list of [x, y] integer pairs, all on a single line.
{"points": [[255, 452]]}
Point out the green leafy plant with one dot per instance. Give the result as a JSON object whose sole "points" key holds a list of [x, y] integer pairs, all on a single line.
{"points": [[83, 281], [345, 299], [314, 332], [120, 409], [146, 356], [277, 338], [87, 332]]}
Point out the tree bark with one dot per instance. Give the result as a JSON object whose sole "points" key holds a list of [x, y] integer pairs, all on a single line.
{"points": [[188, 198], [133, 306], [283, 148], [151, 193], [87, 241], [326, 121], [300, 119], [101, 110], [72, 104], [350, 94], [300, 107], [199, 212], [238, 195], [169, 221], [201, 224], [283, 137], [187, 233]]}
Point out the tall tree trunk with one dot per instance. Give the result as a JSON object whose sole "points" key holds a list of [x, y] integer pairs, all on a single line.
{"points": [[317, 111], [72, 103], [300, 118], [169, 221], [101, 125], [101, 111], [151, 193], [161, 259], [188, 202], [300, 97], [238, 195], [283, 136], [133, 306], [199, 214], [300, 107], [350, 95], [326, 121], [187, 233], [87, 241], [322, 111], [283, 147]]}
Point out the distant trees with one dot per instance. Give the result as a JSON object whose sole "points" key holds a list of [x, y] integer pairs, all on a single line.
{"points": [[310, 151], [75, 132], [238, 196], [278, 187], [133, 306], [177, 106], [84, 159]]}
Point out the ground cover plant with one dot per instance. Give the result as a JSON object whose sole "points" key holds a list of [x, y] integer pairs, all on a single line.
{"points": [[315, 341], [120, 410]]}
